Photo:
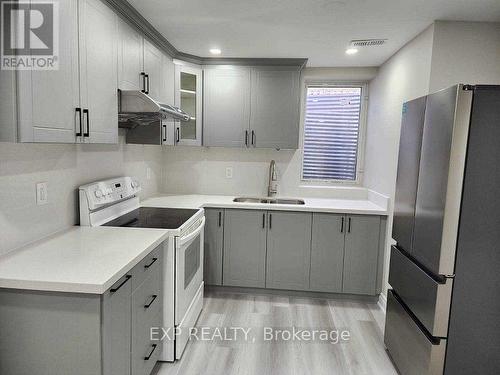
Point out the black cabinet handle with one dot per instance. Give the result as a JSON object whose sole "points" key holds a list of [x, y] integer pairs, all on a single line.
{"points": [[270, 221], [164, 133], [177, 135], [146, 306], [349, 226], [151, 352], [246, 137], [342, 226], [263, 221], [79, 111], [127, 278], [150, 264], [253, 137], [86, 112], [143, 82], [147, 79], [220, 218]]}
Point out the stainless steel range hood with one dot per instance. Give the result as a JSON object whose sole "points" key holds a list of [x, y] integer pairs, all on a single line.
{"points": [[138, 109]]}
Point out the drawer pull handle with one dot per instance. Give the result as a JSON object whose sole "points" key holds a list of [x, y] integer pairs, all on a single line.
{"points": [[127, 278], [151, 352], [151, 302], [150, 264]]}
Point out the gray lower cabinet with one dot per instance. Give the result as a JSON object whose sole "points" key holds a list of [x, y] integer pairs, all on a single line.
{"points": [[214, 237], [288, 250], [319, 252], [245, 248], [84, 334], [327, 252], [361, 254]]}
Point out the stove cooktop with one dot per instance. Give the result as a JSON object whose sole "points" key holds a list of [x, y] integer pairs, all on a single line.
{"points": [[153, 217]]}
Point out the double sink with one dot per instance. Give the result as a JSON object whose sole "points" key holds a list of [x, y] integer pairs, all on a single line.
{"points": [[268, 200]]}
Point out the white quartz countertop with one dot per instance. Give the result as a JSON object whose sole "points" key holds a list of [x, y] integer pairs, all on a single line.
{"points": [[349, 206], [79, 260]]}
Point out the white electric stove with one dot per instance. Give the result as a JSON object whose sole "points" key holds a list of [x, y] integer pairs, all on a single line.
{"points": [[115, 202]]}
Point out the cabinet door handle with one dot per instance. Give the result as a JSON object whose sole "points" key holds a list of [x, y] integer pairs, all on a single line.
{"points": [[253, 138], [150, 264], [146, 306], [177, 135], [151, 352], [246, 138], [342, 225], [270, 221], [86, 112], [127, 278], [80, 120], [164, 127], [349, 226], [147, 80], [143, 82], [263, 221], [220, 218]]}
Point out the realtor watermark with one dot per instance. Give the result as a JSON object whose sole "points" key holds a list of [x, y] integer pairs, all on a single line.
{"points": [[253, 335], [29, 35]]}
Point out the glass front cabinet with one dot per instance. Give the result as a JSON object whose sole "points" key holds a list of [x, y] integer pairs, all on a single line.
{"points": [[188, 96]]}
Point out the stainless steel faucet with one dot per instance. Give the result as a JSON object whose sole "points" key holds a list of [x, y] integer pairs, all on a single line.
{"points": [[272, 187]]}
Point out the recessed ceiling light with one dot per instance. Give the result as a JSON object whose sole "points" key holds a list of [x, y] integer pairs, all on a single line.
{"points": [[351, 51], [215, 51]]}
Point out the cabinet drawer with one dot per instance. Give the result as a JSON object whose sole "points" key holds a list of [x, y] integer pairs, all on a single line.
{"points": [[414, 351], [146, 352], [429, 300], [146, 303], [149, 265]]}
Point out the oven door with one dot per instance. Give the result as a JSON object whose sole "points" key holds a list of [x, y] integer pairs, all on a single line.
{"points": [[188, 268]]}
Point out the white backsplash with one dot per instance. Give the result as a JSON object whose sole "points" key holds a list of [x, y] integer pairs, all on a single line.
{"points": [[64, 168]]}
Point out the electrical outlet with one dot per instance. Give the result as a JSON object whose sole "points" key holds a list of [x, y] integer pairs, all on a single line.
{"points": [[41, 193], [229, 172], [148, 173]]}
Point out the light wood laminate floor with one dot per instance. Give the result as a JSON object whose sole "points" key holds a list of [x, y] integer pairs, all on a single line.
{"points": [[362, 353]]}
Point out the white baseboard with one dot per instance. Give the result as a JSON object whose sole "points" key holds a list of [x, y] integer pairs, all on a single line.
{"points": [[382, 301]]}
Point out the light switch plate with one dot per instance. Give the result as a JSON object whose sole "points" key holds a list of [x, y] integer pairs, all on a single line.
{"points": [[229, 172], [41, 193]]}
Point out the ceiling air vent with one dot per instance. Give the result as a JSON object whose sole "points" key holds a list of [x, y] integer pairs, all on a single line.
{"points": [[367, 42]]}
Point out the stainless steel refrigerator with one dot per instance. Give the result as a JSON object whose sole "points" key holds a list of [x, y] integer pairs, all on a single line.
{"points": [[443, 312]]}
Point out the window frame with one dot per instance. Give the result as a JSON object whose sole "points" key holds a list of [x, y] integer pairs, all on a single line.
{"points": [[361, 134]]}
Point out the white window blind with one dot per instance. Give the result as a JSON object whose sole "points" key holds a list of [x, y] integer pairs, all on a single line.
{"points": [[331, 133]]}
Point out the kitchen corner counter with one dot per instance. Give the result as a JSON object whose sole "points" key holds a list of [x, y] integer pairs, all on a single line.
{"points": [[78, 260], [347, 206]]}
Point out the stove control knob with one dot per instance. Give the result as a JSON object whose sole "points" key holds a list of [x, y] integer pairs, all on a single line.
{"points": [[98, 193]]}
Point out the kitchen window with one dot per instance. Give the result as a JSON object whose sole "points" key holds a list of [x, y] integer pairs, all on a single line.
{"points": [[332, 132]]}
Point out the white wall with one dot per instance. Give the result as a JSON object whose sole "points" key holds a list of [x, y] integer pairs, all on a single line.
{"points": [[465, 52], [443, 55], [403, 77], [64, 168], [202, 170]]}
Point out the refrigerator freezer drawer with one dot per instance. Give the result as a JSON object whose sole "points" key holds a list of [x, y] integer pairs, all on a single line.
{"points": [[412, 350], [428, 300]]}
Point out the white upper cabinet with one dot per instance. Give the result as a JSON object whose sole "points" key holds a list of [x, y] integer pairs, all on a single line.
{"points": [[130, 58], [188, 96], [98, 72], [47, 100], [153, 60], [77, 103], [274, 120], [226, 106]]}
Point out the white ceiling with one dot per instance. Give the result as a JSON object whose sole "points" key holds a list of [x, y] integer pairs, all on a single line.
{"points": [[316, 29]]}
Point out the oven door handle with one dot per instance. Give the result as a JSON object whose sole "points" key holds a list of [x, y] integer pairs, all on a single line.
{"points": [[193, 235]]}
